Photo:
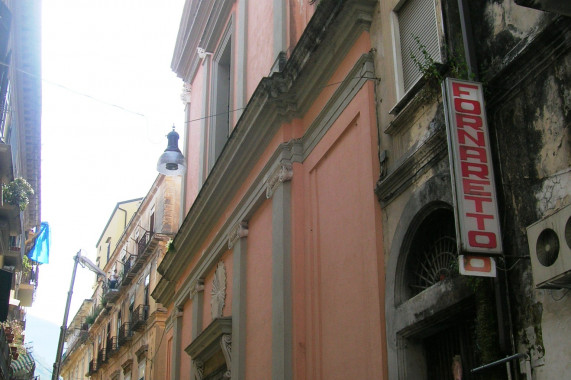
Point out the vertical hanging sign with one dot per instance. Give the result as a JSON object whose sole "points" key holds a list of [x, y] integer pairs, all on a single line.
{"points": [[474, 191]]}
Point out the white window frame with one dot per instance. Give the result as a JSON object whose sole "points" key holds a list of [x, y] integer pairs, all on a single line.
{"points": [[397, 49]]}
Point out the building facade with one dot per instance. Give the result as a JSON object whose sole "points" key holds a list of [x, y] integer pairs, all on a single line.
{"points": [[277, 270], [436, 318], [116, 334], [20, 174], [322, 232]]}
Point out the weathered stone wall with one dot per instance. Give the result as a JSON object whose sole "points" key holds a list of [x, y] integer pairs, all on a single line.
{"points": [[524, 58]]}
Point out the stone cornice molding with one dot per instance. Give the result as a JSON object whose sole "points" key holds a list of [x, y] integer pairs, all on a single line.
{"points": [[283, 173], [238, 232], [416, 162], [200, 27]]}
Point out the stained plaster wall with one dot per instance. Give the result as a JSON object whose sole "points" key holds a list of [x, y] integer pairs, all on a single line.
{"points": [[524, 59]]}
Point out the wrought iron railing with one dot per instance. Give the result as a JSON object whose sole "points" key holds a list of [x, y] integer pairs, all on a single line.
{"points": [[143, 242], [139, 317], [92, 368], [125, 333], [111, 346]]}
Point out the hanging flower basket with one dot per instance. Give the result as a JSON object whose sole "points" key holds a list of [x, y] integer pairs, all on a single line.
{"points": [[17, 193], [9, 337], [14, 349]]}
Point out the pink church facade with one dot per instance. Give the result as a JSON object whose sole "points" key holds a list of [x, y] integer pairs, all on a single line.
{"points": [[277, 270]]}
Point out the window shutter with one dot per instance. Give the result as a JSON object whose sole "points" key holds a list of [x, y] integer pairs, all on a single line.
{"points": [[417, 18]]}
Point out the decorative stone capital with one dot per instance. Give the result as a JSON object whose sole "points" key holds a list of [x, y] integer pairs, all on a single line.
{"points": [[282, 174], [198, 287], [186, 93], [238, 232]]}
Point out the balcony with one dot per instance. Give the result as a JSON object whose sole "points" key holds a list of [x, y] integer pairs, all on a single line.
{"points": [[146, 245], [92, 368], [101, 357], [125, 333], [139, 317], [111, 291], [111, 346]]}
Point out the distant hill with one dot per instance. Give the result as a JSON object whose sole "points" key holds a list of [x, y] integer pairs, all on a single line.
{"points": [[43, 337]]}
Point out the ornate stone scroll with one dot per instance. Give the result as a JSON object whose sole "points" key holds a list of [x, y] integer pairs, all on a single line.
{"points": [[226, 344], [239, 231], [282, 174]]}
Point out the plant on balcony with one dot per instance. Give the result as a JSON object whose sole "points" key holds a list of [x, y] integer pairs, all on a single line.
{"points": [[17, 193], [26, 265]]}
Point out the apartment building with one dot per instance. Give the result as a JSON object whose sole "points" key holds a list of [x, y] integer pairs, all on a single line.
{"points": [[117, 333]]}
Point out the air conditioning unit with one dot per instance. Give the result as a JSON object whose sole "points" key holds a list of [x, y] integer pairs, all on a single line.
{"points": [[549, 242]]}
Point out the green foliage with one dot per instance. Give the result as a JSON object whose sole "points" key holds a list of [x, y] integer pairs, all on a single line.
{"points": [[17, 193], [435, 72], [26, 265], [170, 246]]}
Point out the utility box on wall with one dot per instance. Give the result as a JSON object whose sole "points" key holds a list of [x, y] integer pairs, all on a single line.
{"points": [[549, 242]]}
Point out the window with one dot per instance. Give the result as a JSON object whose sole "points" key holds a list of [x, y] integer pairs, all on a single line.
{"points": [[142, 370], [415, 24], [221, 100]]}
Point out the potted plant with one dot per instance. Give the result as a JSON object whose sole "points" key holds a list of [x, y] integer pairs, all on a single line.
{"points": [[17, 193]]}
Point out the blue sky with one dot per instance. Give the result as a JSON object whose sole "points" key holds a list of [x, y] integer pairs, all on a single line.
{"points": [[109, 99]]}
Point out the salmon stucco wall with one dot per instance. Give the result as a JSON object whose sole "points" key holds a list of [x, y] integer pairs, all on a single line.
{"points": [[259, 295], [342, 276]]}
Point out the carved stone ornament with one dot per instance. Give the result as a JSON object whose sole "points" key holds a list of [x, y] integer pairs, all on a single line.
{"points": [[226, 344], [218, 291], [185, 95], [198, 287], [283, 174], [239, 231], [198, 369]]}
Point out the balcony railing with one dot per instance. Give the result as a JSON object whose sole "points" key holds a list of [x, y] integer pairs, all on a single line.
{"points": [[125, 333], [101, 357], [111, 346], [92, 368], [139, 317], [145, 246]]}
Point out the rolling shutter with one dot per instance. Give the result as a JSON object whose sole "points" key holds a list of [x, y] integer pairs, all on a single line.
{"points": [[417, 18]]}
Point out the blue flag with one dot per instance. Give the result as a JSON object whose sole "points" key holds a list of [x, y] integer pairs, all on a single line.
{"points": [[41, 250]]}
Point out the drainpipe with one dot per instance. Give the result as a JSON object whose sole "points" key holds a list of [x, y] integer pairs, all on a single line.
{"points": [[472, 65], [125, 221], [467, 38]]}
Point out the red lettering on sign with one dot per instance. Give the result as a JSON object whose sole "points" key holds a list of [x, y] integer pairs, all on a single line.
{"points": [[477, 264], [476, 187], [457, 88], [477, 138], [480, 219], [474, 239], [467, 152], [467, 106], [478, 202], [470, 121], [474, 169]]}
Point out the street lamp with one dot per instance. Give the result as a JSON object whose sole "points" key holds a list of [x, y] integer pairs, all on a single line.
{"points": [[84, 262], [172, 162]]}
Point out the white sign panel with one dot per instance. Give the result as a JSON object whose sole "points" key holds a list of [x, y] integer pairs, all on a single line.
{"points": [[483, 266], [474, 190]]}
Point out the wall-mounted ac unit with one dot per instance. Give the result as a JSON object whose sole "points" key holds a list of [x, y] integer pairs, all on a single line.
{"points": [[549, 242]]}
